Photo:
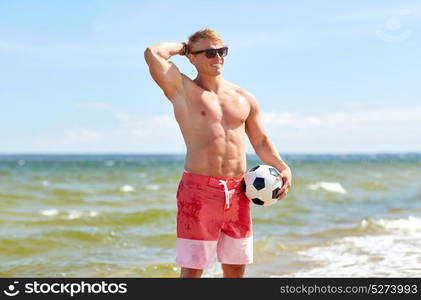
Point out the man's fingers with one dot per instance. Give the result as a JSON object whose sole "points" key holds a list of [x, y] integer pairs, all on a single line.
{"points": [[285, 180], [283, 191], [284, 188], [282, 195], [285, 177]]}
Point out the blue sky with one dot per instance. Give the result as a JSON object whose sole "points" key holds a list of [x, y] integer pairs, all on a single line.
{"points": [[329, 77]]}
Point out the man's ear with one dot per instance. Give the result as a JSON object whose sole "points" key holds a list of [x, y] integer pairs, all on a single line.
{"points": [[191, 58]]}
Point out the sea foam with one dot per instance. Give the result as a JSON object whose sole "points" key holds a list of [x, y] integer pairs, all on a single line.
{"points": [[50, 212], [152, 187], [127, 188], [328, 186], [394, 253]]}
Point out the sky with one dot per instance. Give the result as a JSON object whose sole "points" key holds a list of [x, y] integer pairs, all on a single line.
{"points": [[340, 77]]}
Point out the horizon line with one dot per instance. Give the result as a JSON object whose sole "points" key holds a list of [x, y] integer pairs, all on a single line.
{"points": [[179, 154]]}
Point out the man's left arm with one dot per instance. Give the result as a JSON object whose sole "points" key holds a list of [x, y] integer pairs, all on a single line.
{"points": [[264, 147]]}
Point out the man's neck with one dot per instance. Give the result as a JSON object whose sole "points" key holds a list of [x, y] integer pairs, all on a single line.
{"points": [[209, 83]]}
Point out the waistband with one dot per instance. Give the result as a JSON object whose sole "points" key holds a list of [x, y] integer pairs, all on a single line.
{"points": [[231, 182]]}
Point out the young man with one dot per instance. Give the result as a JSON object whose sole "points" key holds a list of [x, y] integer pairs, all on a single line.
{"points": [[214, 115]]}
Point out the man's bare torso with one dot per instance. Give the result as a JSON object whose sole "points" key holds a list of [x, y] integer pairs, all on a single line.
{"points": [[213, 128]]}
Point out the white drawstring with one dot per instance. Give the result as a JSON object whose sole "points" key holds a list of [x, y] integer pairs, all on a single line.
{"points": [[227, 193]]}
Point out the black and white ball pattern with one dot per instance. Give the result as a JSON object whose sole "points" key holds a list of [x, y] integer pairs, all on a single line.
{"points": [[262, 185]]}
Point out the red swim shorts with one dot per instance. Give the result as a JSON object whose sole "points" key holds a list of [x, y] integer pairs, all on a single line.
{"points": [[213, 217]]}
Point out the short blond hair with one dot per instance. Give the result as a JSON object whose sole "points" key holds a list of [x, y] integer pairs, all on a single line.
{"points": [[206, 33]]}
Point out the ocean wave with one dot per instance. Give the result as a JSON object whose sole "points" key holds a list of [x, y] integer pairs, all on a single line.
{"points": [[69, 193], [328, 186], [127, 188], [373, 186], [88, 235], [70, 214], [27, 246], [99, 219], [50, 212], [152, 187], [395, 252], [411, 224], [10, 197], [109, 163], [76, 214]]}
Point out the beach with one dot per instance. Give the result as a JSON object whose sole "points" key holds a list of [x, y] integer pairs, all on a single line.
{"points": [[114, 216]]}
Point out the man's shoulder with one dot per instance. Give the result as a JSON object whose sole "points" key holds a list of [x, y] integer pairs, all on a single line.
{"points": [[249, 97], [241, 91]]}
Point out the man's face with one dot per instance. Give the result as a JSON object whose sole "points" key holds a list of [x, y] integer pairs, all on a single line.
{"points": [[204, 65]]}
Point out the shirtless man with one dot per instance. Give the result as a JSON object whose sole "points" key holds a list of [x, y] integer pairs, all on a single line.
{"points": [[214, 116]]}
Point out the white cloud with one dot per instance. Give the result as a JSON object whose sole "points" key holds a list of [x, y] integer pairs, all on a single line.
{"points": [[368, 15], [375, 130], [92, 105], [80, 55], [82, 136], [71, 140], [155, 134], [381, 130]]}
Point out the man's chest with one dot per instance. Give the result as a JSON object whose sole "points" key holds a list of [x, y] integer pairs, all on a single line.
{"points": [[229, 109]]}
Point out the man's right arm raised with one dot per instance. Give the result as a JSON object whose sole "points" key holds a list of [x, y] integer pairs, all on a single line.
{"points": [[164, 72]]}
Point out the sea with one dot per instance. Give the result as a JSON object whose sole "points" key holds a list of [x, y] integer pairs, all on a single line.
{"points": [[114, 216]]}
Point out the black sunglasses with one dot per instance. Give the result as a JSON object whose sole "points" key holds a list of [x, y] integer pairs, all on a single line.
{"points": [[211, 53]]}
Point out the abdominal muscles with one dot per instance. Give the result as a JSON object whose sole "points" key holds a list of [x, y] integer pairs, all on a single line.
{"points": [[216, 152]]}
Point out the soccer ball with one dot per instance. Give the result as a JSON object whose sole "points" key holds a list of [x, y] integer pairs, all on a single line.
{"points": [[262, 184]]}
